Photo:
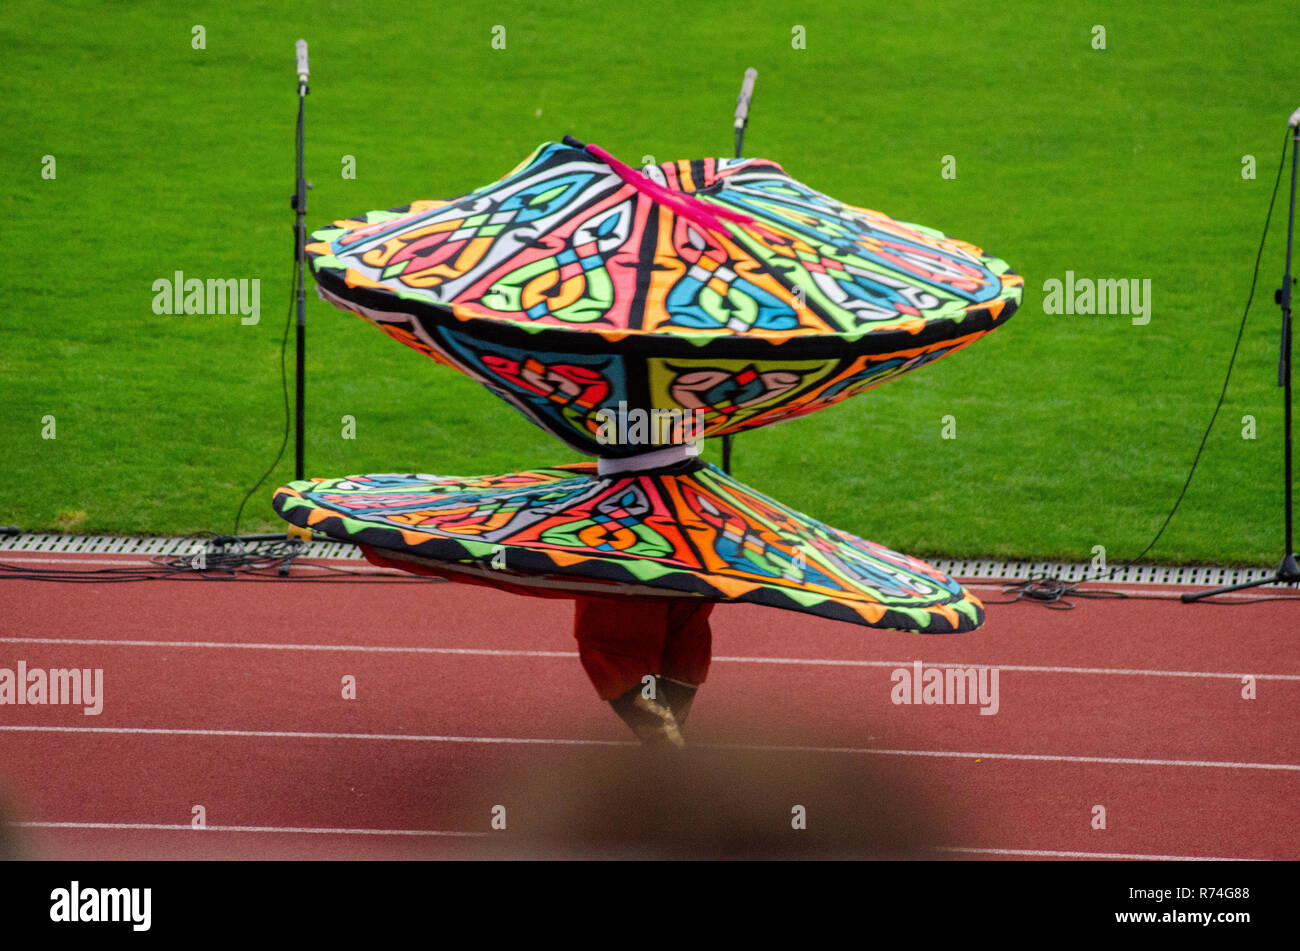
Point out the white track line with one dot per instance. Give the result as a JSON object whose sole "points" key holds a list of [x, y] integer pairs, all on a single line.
{"points": [[493, 652], [186, 827], [361, 648], [1025, 668], [1026, 757], [306, 735], [548, 741], [1052, 854], [316, 830]]}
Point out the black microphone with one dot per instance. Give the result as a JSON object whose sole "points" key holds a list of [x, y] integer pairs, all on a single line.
{"points": [[301, 47]]}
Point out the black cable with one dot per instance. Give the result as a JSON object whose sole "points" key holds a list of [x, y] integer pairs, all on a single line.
{"points": [[284, 387], [295, 284], [223, 559], [1241, 329], [1048, 591], [1051, 590]]}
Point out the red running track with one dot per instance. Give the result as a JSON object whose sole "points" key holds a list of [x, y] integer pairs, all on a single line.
{"points": [[229, 696]]}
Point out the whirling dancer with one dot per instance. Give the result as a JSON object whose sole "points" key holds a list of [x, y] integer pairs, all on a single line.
{"points": [[632, 313]]}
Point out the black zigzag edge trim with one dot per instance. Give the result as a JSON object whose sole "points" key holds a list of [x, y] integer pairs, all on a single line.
{"points": [[664, 345]]}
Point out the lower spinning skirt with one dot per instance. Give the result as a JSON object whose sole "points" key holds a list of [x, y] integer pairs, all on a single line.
{"points": [[569, 531]]}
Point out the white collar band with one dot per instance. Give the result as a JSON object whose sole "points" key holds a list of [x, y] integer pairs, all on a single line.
{"points": [[656, 459]]}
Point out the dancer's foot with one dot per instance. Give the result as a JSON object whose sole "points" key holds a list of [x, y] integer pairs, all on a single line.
{"points": [[651, 720], [678, 695]]}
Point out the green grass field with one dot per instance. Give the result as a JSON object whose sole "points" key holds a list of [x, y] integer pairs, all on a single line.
{"points": [[1072, 431]]}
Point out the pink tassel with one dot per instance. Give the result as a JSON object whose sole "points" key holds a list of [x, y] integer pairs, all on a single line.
{"points": [[692, 209]]}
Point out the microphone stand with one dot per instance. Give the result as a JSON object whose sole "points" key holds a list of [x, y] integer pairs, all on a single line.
{"points": [[298, 202], [742, 121], [1288, 571]]}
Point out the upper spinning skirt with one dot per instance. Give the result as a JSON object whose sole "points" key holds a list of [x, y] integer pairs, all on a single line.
{"points": [[700, 298]]}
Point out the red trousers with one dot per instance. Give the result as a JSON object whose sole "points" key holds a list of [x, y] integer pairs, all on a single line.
{"points": [[620, 639]]}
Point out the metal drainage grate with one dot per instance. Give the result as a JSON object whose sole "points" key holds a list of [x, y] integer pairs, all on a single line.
{"points": [[148, 547], [1201, 577], [1196, 577]]}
